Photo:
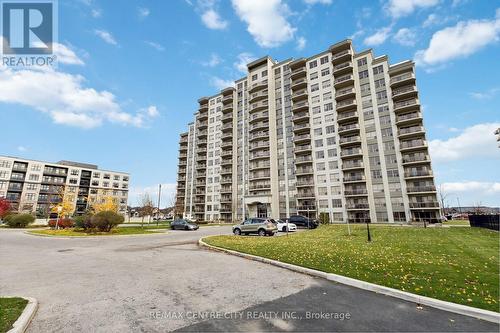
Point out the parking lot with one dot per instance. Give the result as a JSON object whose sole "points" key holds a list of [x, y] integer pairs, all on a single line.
{"points": [[111, 284]]}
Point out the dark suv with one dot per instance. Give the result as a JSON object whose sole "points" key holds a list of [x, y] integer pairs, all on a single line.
{"points": [[302, 221]]}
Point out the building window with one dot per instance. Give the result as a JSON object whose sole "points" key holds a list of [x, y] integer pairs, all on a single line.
{"points": [[313, 64], [325, 72], [379, 83], [362, 62], [324, 60], [313, 76], [363, 74], [315, 87], [378, 70]]}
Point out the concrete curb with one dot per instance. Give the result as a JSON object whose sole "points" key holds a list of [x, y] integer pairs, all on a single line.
{"points": [[421, 300], [22, 323]]}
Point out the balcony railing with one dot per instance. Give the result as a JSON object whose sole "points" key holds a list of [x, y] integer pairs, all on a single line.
{"points": [[418, 173], [416, 189], [413, 144], [424, 204]]}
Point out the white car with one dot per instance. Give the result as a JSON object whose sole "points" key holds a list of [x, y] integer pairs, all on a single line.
{"points": [[282, 226]]}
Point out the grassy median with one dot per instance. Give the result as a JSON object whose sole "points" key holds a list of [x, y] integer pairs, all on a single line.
{"points": [[459, 265], [82, 233], [10, 309]]}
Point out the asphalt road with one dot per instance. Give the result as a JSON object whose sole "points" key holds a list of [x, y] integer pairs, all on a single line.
{"points": [[165, 282]]}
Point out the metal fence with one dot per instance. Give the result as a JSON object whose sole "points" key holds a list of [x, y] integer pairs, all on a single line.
{"points": [[485, 221]]}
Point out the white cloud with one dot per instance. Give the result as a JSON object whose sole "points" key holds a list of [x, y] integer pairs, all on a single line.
{"points": [[106, 36], [220, 84], [96, 13], [459, 41], [168, 191], [323, 2], [243, 59], [490, 93], [63, 97], [155, 45], [474, 141], [65, 55], [301, 43], [143, 12], [379, 37], [213, 61], [212, 20], [22, 148], [405, 37], [400, 8], [467, 186], [266, 21]]}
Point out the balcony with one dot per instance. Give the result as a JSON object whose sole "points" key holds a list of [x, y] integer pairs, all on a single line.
{"points": [[259, 176], [302, 138], [260, 165], [300, 83], [358, 206], [202, 116], [203, 107], [257, 96], [227, 99], [19, 167], [304, 182], [305, 195], [412, 145], [226, 209], [260, 154], [225, 171], [202, 124], [347, 117], [402, 79], [351, 165], [227, 153], [304, 171], [228, 117], [182, 163], [227, 144], [424, 204], [424, 173], [346, 105], [343, 81], [299, 95], [404, 92], [351, 152], [302, 149], [299, 72], [354, 178], [258, 145], [259, 135], [259, 186], [257, 86], [181, 171], [342, 68], [407, 132], [355, 192], [341, 57], [259, 106], [226, 135], [301, 116], [421, 189], [226, 162], [202, 134], [226, 180], [348, 128], [300, 106], [259, 116], [202, 142], [406, 105], [408, 118], [302, 127], [345, 93], [304, 159], [259, 126], [306, 208], [200, 166], [227, 108], [416, 159], [227, 127], [349, 140]]}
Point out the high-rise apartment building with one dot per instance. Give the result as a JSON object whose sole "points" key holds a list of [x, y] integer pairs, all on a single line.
{"points": [[37, 187], [339, 133]]}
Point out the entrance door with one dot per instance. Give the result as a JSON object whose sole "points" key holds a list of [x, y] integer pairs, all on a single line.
{"points": [[262, 210]]}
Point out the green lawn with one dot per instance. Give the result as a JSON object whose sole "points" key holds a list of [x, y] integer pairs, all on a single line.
{"points": [[457, 222], [77, 232], [459, 265], [10, 310], [146, 226]]}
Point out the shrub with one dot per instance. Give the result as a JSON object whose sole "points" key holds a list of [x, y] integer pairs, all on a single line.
{"points": [[4, 208], [62, 224], [83, 222], [107, 220], [19, 220], [324, 218]]}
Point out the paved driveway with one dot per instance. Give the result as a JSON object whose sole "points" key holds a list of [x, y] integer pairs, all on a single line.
{"points": [[164, 282]]}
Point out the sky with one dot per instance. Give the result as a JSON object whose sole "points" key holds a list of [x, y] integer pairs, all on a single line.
{"points": [[130, 72]]}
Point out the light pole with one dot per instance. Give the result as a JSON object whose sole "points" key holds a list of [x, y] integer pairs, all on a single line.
{"points": [[59, 210], [159, 198]]}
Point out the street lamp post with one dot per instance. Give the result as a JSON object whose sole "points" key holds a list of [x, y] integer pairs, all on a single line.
{"points": [[59, 210], [368, 230]]}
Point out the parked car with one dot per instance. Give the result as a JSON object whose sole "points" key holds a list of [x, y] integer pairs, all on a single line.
{"points": [[282, 226], [182, 224], [255, 225], [302, 221]]}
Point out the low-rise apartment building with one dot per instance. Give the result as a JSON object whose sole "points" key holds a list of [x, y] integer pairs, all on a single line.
{"points": [[339, 133], [37, 187]]}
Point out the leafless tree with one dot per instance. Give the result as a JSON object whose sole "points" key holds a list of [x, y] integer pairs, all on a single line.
{"points": [[442, 197], [146, 207]]}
